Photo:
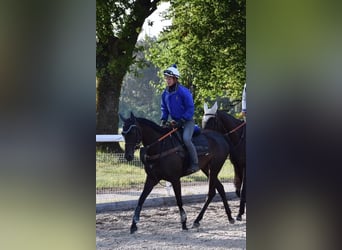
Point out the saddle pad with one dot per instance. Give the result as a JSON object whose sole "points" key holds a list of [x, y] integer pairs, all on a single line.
{"points": [[197, 131], [201, 144]]}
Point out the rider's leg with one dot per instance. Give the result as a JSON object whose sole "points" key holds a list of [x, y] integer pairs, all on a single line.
{"points": [[187, 135]]}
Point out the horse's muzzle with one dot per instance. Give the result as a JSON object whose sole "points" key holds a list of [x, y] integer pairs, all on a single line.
{"points": [[129, 157]]}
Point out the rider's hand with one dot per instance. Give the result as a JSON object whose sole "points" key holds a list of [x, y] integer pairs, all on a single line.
{"points": [[178, 124], [173, 123], [163, 123]]}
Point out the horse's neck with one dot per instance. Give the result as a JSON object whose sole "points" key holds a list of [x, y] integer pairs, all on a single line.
{"points": [[149, 135], [231, 123]]}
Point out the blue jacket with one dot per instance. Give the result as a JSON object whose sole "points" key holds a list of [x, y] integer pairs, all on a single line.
{"points": [[178, 104]]}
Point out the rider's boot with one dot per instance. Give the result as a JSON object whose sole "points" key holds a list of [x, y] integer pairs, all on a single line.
{"points": [[193, 159]]}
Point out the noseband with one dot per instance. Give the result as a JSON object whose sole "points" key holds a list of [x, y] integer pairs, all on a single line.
{"points": [[138, 136]]}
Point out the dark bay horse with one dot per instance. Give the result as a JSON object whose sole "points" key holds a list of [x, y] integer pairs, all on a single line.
{"points": [[235, 132], [165, 159]]}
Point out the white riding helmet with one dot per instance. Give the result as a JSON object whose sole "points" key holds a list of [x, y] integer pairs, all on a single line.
{"points": [[172, 71]]}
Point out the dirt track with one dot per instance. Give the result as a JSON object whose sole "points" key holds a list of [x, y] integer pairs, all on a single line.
{"points": [[160, 228]]}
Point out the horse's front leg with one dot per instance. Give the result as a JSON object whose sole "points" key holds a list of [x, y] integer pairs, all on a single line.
{"points": [[220, 189], [149, 184], [210, 196], [178, 193]]}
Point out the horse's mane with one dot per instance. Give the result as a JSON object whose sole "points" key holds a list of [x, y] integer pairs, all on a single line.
{"points": [[152, 124], [228, 116]]}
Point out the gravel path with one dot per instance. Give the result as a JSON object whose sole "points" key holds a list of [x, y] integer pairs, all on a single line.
{"points": [[160, 228]]}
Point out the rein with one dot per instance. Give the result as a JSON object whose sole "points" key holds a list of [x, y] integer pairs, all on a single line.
{"points": [[231, 131], [165, 153], [148, 146], [167, 134], [235, 129], [162, 137]]}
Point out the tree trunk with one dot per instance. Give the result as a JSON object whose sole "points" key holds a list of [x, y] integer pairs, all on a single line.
{"points": [[107, 119]]}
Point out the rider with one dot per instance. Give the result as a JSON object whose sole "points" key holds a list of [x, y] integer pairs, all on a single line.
{"points": [[177, 102], [244, 107]]}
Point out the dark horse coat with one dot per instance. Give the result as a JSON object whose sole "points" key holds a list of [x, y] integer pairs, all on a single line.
{"points": [[234, 130], [165, 160]]}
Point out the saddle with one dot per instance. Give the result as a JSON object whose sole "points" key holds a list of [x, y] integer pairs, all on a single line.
{"points": [[199, 141]]}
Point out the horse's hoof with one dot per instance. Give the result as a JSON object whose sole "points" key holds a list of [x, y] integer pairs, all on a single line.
{"points": [[239, 218], [231, 221], [185, 228], [134, 229], [196, 225]]}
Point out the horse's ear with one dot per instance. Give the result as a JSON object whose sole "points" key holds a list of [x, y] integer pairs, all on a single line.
{"points": [[132, 116], [214, 107], [122, 118], [205, 107]]}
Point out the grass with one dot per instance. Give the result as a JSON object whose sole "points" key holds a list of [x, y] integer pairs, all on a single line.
{"points": [[114, 172]]}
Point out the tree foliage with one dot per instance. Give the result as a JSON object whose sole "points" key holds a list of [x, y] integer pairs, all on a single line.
{"points": [[138, 95], [207, 40]]}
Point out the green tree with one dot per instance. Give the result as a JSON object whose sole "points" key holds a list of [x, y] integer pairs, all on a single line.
{"points": [[138, 95], [118, 24], [207, 40]]}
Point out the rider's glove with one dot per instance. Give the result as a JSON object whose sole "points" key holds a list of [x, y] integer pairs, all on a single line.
{"points": [[163, 123]]}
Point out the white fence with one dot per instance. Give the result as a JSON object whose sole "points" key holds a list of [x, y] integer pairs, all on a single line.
{"points": [[109, 138]]}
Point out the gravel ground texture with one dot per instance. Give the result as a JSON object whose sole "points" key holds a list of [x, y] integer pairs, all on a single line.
{"points": [[160, 228]]}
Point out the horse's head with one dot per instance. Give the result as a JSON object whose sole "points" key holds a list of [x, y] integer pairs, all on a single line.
{"points": [[209, 117], [132, 134]]}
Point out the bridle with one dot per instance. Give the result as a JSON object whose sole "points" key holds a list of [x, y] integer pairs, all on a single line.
{"points": [[138, 138]]}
